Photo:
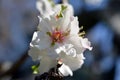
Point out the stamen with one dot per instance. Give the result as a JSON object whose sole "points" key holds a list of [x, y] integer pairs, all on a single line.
{"points": [[81, 34], [57, 36], [81, 28]]}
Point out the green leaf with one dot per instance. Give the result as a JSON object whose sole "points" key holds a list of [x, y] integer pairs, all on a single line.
{"points": [[63, 7], [48, 33], [53, 43], [60, 14], [35, 69]]}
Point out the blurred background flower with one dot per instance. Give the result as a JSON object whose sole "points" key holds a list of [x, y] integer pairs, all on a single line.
{"points": [[101, 21]]}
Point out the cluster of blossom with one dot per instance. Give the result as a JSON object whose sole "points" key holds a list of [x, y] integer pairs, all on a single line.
{"points": [[58, 39]]}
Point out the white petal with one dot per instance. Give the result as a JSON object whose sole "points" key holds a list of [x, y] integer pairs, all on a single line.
{"points": [[34, 39], [57, 8], [46, 61], [39, 6], [35, 53], [74, 26], [54, 22], [44, 7], [73, 62], [44, 25], [58, 50], [69, 50], [40, 40], [85, 43], [81, 56], [76, 42], [65, 20], [46, 64], [70, 8], [67, 46], [52, 53], [65, 70], [44, 41]]}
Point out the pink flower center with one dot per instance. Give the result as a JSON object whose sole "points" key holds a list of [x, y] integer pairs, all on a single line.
{"points": [[57, 36]]}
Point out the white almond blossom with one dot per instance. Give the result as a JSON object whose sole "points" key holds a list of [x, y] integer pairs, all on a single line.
{"points": [[57, 7], [44, 7], [58, 38]]}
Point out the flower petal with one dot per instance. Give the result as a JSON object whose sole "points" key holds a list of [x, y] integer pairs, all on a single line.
{"points": [[51, 52], [65, 20], [74, 26], [44, 7], [46, 64], [73, 62], [85, 43], [40, 40], [36, 54], [76, 42], [65, 70], [69, 50], [44, 25]]}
